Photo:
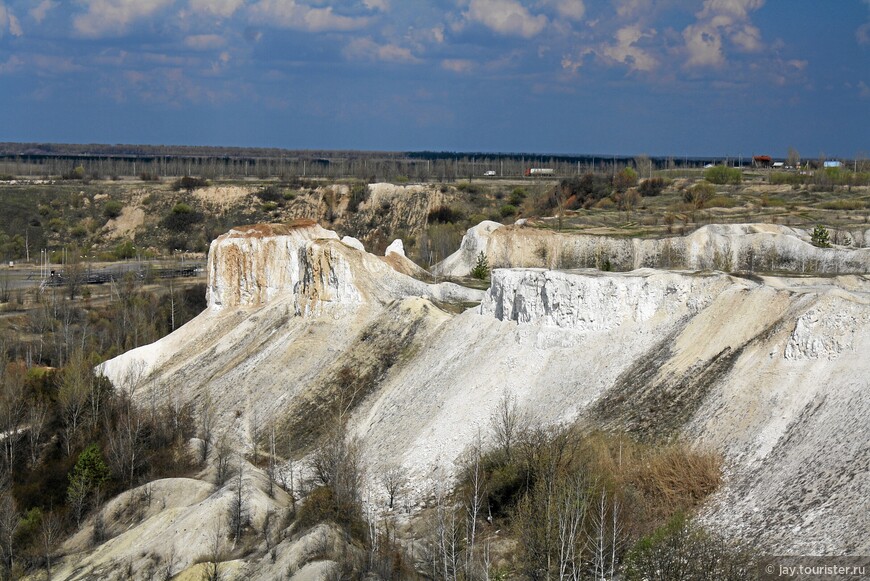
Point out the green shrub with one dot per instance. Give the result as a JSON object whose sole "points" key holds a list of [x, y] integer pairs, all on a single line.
{"points": [[182, 217], [699, 194], [125, 249], [270, 206], [468, 187], [359, 194], [627, 178], [782, 178], [112, 209], [481, 269], [722, 174], [508, 210], [821, 237], [683, 550], [517, 196]]}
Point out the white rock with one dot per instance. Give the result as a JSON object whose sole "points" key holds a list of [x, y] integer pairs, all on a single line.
{"points": [[353, 243], [395, 247]]}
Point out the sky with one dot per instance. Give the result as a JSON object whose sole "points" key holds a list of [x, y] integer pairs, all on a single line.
{"points": [[622, 77]]}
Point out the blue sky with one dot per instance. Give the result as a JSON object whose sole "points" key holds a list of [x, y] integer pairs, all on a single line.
{"points": [[662, 77]]}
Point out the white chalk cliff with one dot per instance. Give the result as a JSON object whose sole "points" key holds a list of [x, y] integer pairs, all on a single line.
{"points": [[770, 371], [726, 247]]}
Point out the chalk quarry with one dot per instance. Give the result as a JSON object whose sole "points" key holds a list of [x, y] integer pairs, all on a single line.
{"points": [[771, 371]]}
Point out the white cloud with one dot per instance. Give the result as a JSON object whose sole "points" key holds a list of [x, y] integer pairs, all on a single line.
{"points": [[704, 46], [381, 5], [625, 50], [39, 11], [718, 20], [570, 9], [112, 17], [367, 49], [11, 65], [8, 22], [632, 9], [736, 9], [747, 38], [457, 65], [290, 14], [862, 35], [506, 17], [204, 41], [222, 8]]}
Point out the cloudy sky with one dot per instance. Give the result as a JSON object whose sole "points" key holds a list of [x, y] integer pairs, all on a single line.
{"points": [[662, 77]]}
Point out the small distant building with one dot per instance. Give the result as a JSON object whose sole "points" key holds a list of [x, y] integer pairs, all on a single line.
{"points": [[778, 165], [761, 161], [833, 164]]}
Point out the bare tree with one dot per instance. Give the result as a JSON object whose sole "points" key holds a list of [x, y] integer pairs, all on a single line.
{"points": [[223, 450], [212, 567], [37, 415], [125, 434], [10, 519], [238, 515], [605, 535], [12, 407], [572, 508], [72, 397], [473, 505], [506, 422], [50, 532], [207, 419], [393, 480], [272, 466]]}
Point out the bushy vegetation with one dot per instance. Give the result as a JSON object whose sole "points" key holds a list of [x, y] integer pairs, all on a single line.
{"points": [[181, 218], [576, 503], [652, 187], [831, 176], [189, 183], [722, 174], [681, 549], [445, 215], [84, 439], [699, 195], [112, 209]]}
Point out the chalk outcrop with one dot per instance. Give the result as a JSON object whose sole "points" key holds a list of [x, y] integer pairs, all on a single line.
{"points": [[770, 371], [726, 247]]}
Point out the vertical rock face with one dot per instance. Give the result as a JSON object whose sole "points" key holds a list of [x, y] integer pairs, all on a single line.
{"points": [[253, 265], [308, 265], [590, 301], [726, 247]]}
